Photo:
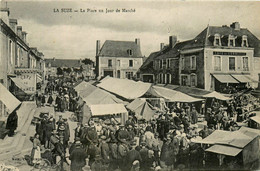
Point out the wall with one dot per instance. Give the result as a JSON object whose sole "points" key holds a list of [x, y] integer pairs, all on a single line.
{"points": [[209, 61], [188, 71], [256, 73], [124, 65]]}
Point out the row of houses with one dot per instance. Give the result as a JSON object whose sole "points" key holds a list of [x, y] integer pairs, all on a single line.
{"points": [[21, 66], [217, 58]]}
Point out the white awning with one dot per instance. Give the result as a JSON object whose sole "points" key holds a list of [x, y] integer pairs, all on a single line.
{"points": [[107, 109], [223, 149], [225, 78], [8, 99], [19, 83], [241, 78], [256, 119], [217, 95]]}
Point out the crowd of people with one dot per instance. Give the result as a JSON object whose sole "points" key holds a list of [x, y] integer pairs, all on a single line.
{"points": [[162, 143]]}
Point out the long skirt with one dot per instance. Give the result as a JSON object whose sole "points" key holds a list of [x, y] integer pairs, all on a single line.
{"points": [[36, 155]]}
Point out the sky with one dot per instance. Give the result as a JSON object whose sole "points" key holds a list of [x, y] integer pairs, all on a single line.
{"points": [[73, 35]]}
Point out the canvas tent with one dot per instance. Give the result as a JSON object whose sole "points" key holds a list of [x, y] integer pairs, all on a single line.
{"points": [[142, 109], [125, 88], [171, 95], [8, 99], [118, 111], [232, 143], [216, 95]]}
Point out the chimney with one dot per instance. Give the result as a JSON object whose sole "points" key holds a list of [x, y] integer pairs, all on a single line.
{"points": [[24, 36], [137, 41], [161, 46], [97, 47], [5, 15], [19, 31], [172, 41], [13, 24], [235, 25]]}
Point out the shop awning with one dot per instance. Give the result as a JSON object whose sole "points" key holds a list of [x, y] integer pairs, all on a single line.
{"points": [[8, 99], [172, 95], [225, 78], [107, 109], [223, 149], [38, 78], [241, 78], [19, 83]]}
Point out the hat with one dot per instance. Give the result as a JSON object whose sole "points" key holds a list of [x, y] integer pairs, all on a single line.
{"points": [[62, 128], [103, 137], [77, 143]]}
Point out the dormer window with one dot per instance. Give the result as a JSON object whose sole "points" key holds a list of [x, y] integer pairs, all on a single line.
{"points": [[231, 40], [129, 52], [244, 41], [217, 40]]}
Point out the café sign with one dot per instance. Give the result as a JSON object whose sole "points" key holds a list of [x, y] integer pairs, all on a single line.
{"points": [[28, 79]]}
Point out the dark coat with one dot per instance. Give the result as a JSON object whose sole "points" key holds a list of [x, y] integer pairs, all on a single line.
{"points": [[50, 99], [131, 156], [12, 121], [49, 129], [78, 158]]}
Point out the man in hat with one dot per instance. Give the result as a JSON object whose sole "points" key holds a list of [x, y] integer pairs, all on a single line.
{"points": [[66, 132], [132, 155], [122, 134], [12, 122], [78, 130], [48, 133], [78, 157], [167, 154], [105, 151], [122, 152]]}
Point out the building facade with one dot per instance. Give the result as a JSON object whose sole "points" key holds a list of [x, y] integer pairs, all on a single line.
{"points": [[17, 59], [219, 58], [120, 59]]}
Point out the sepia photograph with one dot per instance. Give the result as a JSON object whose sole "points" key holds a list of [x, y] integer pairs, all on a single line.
{"points": [[165, 85]]}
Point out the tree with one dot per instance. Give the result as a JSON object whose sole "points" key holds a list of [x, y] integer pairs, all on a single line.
{"points": [[59, 71], [87, 61]]}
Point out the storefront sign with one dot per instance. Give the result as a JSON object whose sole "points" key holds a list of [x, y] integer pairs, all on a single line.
{"points": [[230, 53], [28, 79]]}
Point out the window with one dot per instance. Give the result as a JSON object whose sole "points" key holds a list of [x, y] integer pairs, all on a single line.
{"points": [[110, 63], [217, 40], [182, 63], [129, 52], [118, 62], [244, 41], [245, 64], [217, 63], [168, 79], [193, 62], [193, 80], [131, 64], [129, 75], [168, 63], [160, 64], [232, 63], [231, 40], [11, 51], [159, 78], [184, 80], [164, 63]]}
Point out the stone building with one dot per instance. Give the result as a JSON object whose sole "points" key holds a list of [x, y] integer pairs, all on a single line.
{"points": [[120, 59]]}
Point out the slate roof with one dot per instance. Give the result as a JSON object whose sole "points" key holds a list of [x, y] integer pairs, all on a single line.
{"points": [[112, 48], [70, 63], [206, 38]]}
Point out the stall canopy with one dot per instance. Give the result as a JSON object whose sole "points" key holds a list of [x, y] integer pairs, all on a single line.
{"points": [[223, 149], [171, 95], [81, 86], [256, 119], [10, 101], [142, 109], [225, 78], [125, 88], [99, 96], [107, 109], [216, 95], [192, 91], [19, 83]]}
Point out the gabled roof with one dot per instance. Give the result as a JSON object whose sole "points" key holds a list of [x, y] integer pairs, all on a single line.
{"points": [[173, 52], [112, 48], [63, 63], [206, 38], [148, 62]]}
